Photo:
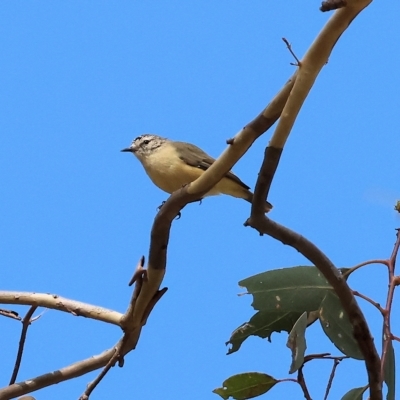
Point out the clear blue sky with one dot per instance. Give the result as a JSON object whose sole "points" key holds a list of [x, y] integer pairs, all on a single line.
{"points": [[80, 80]]}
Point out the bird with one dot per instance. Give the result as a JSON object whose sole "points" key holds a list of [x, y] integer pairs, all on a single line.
{"points": [[171, 165]]}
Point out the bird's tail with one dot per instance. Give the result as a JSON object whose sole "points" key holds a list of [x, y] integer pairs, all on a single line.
{"points": [[249, 197]]}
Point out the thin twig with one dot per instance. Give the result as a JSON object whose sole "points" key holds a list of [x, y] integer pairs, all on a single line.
{"points": [[369, 300], [92, 385], [331, 376], [310, 357], [363, 264], [289, 46], [301, 381], [323, 356], [25, 325], [395, 338], [138, 271]]}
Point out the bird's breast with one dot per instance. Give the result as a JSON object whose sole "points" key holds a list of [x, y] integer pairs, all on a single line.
{"points": [[168, 171]]}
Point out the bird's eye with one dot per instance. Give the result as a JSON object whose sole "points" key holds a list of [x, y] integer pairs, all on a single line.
{"points": [[146, 141]]}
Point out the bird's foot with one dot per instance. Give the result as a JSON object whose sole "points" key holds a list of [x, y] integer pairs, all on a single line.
{"points": [[160, 206]]}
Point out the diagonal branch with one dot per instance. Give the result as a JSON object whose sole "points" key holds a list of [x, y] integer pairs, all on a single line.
{"points": [[72, 371], [194, 191], [243, 141], [320, 260]]}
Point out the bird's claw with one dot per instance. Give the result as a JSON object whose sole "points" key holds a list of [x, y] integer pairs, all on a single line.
{"points": [[160, 206]]}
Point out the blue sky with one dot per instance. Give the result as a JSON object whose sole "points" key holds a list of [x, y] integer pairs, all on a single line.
{"points": [[80, 80]]}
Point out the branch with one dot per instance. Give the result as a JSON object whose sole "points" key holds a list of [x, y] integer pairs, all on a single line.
{"points": [[331, 376], [111, 362], [313, 61], [369, 300], [389, 301], [131, 322], [320, 260], [195, 190], [242, 141], [315, 58], [72, 371], [25, 325], [59, 303], [301, 381]]}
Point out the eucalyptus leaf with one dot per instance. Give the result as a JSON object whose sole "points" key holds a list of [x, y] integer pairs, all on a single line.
{"points": [[295, 289], [389, 371], [355, 394], [246, 386], [297, 343], [262, 324], [337, 327]]}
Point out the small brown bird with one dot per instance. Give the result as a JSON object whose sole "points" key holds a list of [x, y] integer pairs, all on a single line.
{"points": [[171, 165]]}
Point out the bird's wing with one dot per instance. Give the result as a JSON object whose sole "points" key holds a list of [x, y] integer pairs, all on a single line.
{"points": [[196, 157]]}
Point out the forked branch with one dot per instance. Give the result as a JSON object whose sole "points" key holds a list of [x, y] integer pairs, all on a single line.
{"points": [[310, 66]]}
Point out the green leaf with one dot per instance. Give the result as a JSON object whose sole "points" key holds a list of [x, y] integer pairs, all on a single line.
{"points": [[297, 343], [246, 386], [295, 289], [262, 324], [355, 394], [389, 370], [337, 327]]}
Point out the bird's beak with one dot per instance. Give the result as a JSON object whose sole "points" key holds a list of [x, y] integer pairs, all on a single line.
{"points": [[129, 149]]}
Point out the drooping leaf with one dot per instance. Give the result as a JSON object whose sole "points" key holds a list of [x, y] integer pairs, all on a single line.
{"points": [[246, 386], [297, 343], [295, 289], [337, 326], [262, 324], [389, 372], [355, 394]]}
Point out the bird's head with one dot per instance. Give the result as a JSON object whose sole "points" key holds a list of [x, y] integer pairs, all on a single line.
{"points": [[145, 145]]}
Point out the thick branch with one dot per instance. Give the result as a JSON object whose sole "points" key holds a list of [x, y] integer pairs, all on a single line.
{"points": [[309, 67], [360, 328], [243, 141]]}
